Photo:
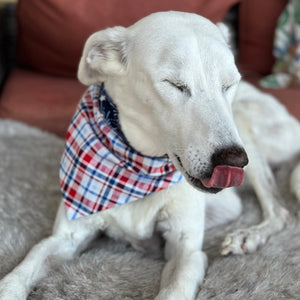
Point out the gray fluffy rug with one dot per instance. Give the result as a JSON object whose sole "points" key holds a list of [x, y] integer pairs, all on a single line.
{"points": [[29, 194]]}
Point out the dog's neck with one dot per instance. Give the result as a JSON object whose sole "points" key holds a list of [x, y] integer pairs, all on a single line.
{"points": [[134, 119]]}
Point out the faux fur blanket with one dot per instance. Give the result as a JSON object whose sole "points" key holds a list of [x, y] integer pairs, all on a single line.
{"points": [[29, 195]]}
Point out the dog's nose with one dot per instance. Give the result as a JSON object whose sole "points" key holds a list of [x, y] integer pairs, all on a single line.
{"points": [[230, 156]]}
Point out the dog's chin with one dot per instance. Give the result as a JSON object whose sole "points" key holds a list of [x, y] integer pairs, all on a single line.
{"points": [[196, 183]]}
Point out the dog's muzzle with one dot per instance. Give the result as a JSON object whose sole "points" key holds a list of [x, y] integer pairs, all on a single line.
{"points": [[226, 171]]}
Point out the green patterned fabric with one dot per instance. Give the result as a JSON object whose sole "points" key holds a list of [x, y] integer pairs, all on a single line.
{"points": [[286, 49]]}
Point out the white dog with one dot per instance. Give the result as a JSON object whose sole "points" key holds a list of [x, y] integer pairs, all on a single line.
{"points": [[159, 107]]}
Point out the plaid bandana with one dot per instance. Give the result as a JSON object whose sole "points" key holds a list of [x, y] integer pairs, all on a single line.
{"points": [[99, 169]]}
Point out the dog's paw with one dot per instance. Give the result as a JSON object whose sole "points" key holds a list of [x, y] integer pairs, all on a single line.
{"points": [[248, 240], [242, 242]]}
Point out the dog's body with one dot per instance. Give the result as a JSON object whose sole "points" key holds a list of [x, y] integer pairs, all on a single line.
{"points": [[173, 79]]}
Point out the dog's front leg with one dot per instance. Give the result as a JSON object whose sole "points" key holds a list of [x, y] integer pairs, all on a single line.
{"points": [[295, 181], [68, 238], [182, 224], [275, 216]]}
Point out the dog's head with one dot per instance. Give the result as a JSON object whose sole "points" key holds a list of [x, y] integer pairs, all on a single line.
{"points": [[173, 78]]}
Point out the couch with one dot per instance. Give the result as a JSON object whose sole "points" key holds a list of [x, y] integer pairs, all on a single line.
{"points": [[39, 87], [41, 43]]}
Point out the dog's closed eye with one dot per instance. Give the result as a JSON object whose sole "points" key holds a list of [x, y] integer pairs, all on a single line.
{"points": [[182, 87], [225, 88]]}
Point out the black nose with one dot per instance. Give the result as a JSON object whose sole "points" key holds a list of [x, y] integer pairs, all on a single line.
{"points": [[231, 156]]}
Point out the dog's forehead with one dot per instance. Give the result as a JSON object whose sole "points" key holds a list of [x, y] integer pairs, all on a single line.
{"points": [[189, 55], [156, 27], [172, 37]]}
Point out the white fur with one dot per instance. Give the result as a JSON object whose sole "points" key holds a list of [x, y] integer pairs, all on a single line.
{"points": [[144, 68], [271, 137]]}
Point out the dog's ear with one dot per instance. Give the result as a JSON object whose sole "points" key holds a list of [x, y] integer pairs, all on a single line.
{"points": [[104, 55], [225, 31]]}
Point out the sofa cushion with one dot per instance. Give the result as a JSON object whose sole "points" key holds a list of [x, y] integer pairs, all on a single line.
{"points": [[52, 32], [44, 101], [257, 22]]}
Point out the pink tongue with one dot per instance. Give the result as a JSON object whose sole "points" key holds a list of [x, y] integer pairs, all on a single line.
{"points": [[224, 176]]}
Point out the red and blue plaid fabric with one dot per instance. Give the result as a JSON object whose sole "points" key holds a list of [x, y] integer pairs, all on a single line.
{"points": [[99, 169]]}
